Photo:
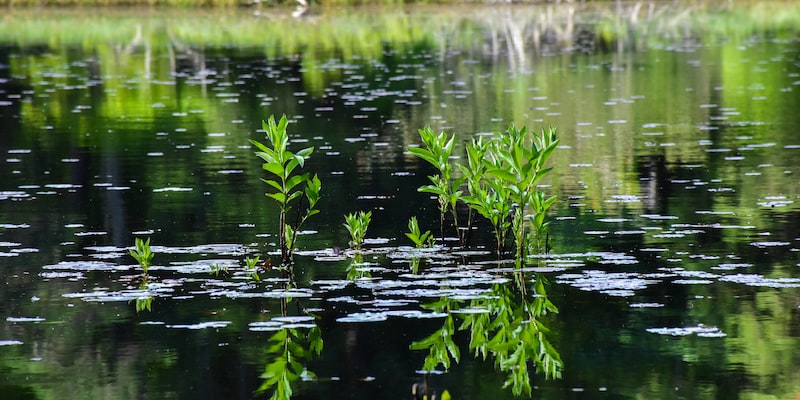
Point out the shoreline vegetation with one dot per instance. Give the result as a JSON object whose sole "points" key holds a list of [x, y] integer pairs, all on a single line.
{"points": [[278, 3], [306, 4], [501, 28], [339, 3]]}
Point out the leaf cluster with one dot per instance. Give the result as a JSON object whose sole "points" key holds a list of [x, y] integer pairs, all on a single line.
{"points": [[142, 254], [500, 178], [420, 239], [437, 151], [287, 185], [251, 268], [357, 225]]}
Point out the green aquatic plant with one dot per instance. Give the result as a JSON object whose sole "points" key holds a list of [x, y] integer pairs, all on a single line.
{"points": [[488, 197], [500, 176], [142, 254], [437, 152], [420, 239], [357, 225], [289, 188], [252, 267], [514, 165]]}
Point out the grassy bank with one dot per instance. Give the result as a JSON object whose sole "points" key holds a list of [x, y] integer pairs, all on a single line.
{"points": [[366, 30], [273, 3], [232, 3]]}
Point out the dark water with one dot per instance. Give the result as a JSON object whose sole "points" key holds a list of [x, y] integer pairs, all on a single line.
{"points": [[675, 237]]}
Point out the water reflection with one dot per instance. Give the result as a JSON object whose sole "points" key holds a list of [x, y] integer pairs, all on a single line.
{"points": [[145, 300], [288, 351], [505, 326], [677, 173]]}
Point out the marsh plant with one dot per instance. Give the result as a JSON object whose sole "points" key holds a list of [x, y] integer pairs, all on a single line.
{"points": [[287, 187], [500, 178], [420, 239], [515, 163], [357, 225], [142, 254], [437, 152], [251, 265]]}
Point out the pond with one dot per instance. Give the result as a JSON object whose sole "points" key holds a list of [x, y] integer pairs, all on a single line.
{"points": [[673, 242]]}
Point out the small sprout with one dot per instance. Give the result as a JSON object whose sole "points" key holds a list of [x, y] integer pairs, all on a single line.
{"points": [[252, 267], [216, 269], [142, 254], [357, 225], [420, 239]]}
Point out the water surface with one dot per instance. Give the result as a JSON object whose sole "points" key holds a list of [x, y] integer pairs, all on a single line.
{"points": [[674, 260]]}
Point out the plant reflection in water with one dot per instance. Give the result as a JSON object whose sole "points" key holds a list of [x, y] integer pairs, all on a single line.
{"points": [[289, 349], [358, 269], [145, 300], [505, 326]]}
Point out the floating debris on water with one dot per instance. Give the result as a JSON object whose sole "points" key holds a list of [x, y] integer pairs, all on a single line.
{"points": [[25, 319], [759, 280], [172, 189], [699, 330], [646, 305], [202, 325], [364, 317], [763, 245], [621, 284]]}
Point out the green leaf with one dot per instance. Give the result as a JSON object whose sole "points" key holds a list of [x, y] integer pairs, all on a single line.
{"points": [[260, 146], [279, 197], [432, 189], [291, 165], [294, 195], [303, 154], [425, 155], [274, 184], [313, 187], [294, 181], [274, 168], [501, 174]]}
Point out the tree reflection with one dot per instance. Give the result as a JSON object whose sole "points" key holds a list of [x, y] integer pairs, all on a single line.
{"points": [[505, 326]]}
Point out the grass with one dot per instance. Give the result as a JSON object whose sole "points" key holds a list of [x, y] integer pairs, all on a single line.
{"points": [[232, 3], [365, 31]]}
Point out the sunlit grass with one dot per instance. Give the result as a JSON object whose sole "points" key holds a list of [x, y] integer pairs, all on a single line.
{"points": [[365, 31]]}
